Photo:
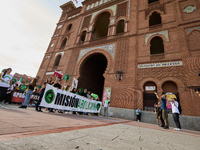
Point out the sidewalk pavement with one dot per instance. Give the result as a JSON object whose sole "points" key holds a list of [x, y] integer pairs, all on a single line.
{"points": [[24, 129]]}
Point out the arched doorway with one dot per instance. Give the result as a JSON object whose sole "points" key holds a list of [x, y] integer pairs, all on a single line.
{"points": [[149, 98], [91, 73], [170, 86]]}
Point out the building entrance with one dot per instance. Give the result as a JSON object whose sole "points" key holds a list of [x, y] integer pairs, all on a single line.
{"points": [[91, 73], [149, 98]]}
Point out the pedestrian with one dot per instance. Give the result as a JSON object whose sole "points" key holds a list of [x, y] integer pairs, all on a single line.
{"points": [[40, 98], [73, 90], [67, 88], [164, 109], [138, 113], [57, 85], [9, 93], [78, 92], [175, 113], [33, 97], [49, 81], [5, 83], [158, 112], [29, 93], [84, 93], [106, 104], [89, 94]]}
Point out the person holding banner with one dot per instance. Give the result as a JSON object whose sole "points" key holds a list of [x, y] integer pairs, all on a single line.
{"points": [[57, 85], [164, 109], [40, 99], [29, 93], [5, 82]]}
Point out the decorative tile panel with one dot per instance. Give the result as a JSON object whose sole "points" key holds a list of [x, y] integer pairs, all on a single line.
{"points": [[189, 9], [111, 7], [164, 33], [110, 48], [189, 30]]}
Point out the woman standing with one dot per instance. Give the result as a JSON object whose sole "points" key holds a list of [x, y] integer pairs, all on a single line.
{"points": [[5, 79], [29, 93], [49, 81]]}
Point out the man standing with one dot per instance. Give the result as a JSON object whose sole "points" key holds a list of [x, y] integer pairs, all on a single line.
{"points": [[106, 104], [164, 109], [138, 113]]}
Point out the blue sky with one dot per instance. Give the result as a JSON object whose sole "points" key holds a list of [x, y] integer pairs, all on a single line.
{"points": [[26, 29]]}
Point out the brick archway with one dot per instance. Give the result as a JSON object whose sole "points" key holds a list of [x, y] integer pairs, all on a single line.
{"points": [[91, 70]]}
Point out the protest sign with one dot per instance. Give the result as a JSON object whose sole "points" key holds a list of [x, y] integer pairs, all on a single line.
{"points": [[74, 83], [58, 99], [57, 74]]}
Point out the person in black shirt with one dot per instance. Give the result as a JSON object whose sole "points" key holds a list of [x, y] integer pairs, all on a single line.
{"points": [[84, 93], [40, 99], [58, 86]]}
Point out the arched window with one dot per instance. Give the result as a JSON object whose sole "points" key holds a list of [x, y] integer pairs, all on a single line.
{"points": [[57, 61], [155, 19], [120, 27], [101, 25], [82, 38], [151, 1], [63, 43], [157, 46], [69, 27]]}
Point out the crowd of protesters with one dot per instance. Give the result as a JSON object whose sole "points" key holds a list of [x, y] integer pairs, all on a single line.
{"points": [[7, 86]]}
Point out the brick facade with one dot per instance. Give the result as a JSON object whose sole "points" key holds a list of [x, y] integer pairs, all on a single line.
{"points": [[130, 51]]}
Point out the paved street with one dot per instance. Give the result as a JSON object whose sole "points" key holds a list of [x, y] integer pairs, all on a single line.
{"points": [[26, 129]]}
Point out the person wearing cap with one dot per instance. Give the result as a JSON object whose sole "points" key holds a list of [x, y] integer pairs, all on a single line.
{"points": [[175, 113]]}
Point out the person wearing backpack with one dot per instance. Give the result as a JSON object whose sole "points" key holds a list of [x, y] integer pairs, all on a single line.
{"points": [[176, 111]]}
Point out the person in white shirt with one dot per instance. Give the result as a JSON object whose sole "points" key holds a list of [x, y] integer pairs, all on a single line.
{"points": [[175, 113], [106, 104], [5, 79]]}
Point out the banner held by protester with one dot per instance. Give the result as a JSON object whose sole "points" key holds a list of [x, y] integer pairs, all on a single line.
{"points": [[58, 99]]}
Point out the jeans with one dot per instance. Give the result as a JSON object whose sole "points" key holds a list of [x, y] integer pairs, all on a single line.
{"points": [[105, 112], [165, 117], [28, 97], [176, 120]]}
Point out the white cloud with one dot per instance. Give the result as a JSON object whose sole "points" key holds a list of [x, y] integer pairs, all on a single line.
{"points": [[26, 29]]}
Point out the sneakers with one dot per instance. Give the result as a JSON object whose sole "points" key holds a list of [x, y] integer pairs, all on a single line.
{"points": [[165, 127], [22, 106], [177, 129], [161, 125]]}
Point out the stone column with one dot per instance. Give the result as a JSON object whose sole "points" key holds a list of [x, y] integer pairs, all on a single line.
{"points": [[86, 36], [89, 35], [126, 26], [77, 39]]}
